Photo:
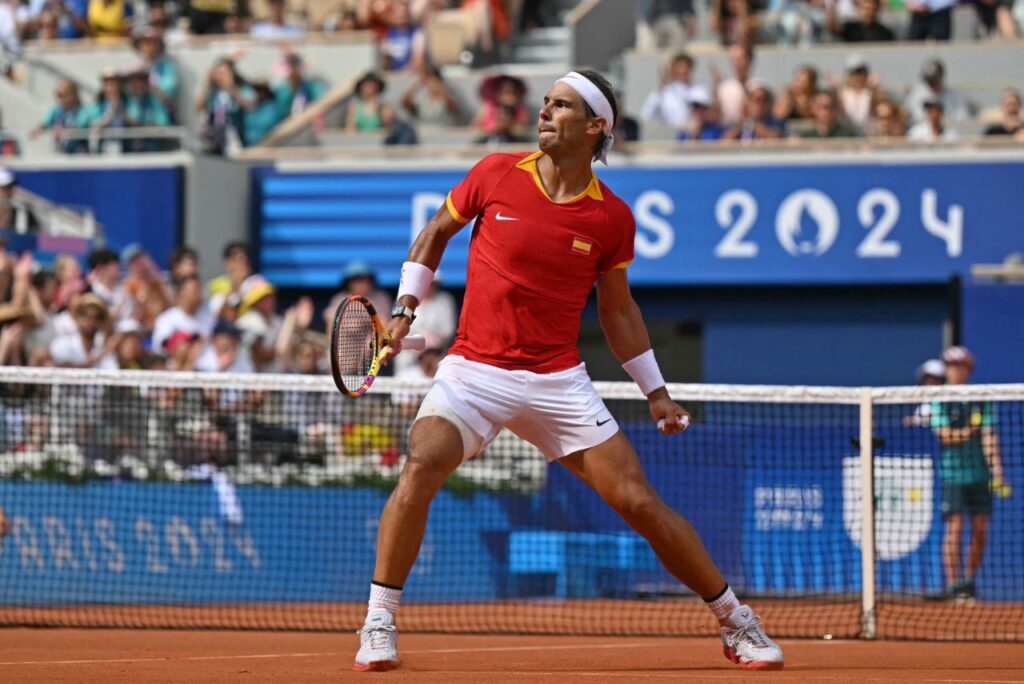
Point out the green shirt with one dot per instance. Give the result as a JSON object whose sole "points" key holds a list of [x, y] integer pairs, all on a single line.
{"points": [[964, 463]]}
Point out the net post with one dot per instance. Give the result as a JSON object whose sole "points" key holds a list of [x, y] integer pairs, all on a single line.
{"points": [[867, 512]]}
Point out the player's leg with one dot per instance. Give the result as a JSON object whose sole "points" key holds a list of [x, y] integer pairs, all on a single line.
{"points": [[976, 551], [951, 549], [613, 470], [435, 450]]}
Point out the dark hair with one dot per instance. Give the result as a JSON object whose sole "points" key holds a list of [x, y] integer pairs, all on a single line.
{"points": [[606, 89], [179, 283], [682, 57], [233, 248], [102, 257], [181, 253], [40, 279]]}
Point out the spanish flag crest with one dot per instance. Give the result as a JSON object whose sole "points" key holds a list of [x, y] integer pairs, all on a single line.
{"points": [[581, 245]]}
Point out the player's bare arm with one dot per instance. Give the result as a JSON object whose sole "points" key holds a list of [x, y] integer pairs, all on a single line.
{"points": [[627, 336], [990, 445], [427, 250]]}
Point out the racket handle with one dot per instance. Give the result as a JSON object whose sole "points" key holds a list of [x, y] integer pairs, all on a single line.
{"points": [[414, 343], [683, 420]]}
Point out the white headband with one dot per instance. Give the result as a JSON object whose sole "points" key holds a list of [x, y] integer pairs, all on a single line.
{"points": [[593, 96]]}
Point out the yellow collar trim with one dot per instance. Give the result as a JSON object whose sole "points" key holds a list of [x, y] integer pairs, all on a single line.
{"points": [[529, 164]]}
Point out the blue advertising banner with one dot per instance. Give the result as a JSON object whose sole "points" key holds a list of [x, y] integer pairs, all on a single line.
{"points": [[775, 522], [142, 205], [757, 224]]}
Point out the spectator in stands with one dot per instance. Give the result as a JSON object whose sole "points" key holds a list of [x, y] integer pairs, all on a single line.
{"points": [[109, 20], [128, 349], [188, 315], [70, 280], [933, 129], [670, 103], [664, 24], [627, 129], [9, 146], [68, 113], [143, 108], [340, 18], [359, 279], [237, 267], [222, 104], [888, 121], [164, 76], [797, 22], [10, 37], [735, 21], [403, 46], [259, 322], [486, 22], [798, 99], [996, 18], [104, 279], [502, 90], [701, 124], [504, 132], [42, 298], [930, 373], [932, 85], [758, 122], [15, 322], [184, 262], [423, 367], [183, 349], [1010, 121], [57, 19], [827, 122], [731, 93], [366, 109], [109, 110], [858, 94], [224, 353], [294, 329], [211, 16], [276, 26], [265, 116], [295, 93], [930, 19], [868, 29], [145, 286], [971, 469], [8, 184], [430, 101], [87, 346]]}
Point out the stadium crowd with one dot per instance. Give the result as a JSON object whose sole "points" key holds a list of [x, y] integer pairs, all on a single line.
{"points": [[237, 109]]}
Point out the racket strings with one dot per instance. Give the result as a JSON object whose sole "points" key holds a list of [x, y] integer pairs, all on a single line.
{"points": [[356, 346]]}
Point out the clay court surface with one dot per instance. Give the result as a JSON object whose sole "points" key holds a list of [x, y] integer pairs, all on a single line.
{"points": [[97, 655]]}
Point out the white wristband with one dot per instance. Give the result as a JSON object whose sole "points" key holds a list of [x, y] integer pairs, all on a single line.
{"points": [[416, 280], [644, 371]]}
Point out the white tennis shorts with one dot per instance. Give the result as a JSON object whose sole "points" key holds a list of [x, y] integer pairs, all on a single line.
{"points": [[559, 413]]}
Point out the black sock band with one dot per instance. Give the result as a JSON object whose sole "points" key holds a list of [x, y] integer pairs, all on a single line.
{"points": [[390, 586], [718, 595]]}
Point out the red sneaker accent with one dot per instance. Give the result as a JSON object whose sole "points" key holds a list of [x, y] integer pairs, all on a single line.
{"points": [[762, 665], [376, 666], [730, 654]]}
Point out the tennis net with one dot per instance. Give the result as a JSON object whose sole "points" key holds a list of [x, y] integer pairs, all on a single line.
{"points": [[138, 499]]}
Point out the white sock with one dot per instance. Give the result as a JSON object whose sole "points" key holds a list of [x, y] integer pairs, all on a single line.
{"points": [[724, 605], [384, 598]]}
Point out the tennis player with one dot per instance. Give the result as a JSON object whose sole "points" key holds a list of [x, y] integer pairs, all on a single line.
{"points": [[547, 230]]}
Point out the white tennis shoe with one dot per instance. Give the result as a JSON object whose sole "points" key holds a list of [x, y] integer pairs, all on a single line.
{"points": [[747, 645], [378, 643]]}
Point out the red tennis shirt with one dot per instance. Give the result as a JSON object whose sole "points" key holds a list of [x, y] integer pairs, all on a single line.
{"points": [[532, 263]]}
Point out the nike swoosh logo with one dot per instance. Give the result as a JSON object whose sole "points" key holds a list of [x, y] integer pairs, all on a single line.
{"points": [[602, 422], [505, 218]]}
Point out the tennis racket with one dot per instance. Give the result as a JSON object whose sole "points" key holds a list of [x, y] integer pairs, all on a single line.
{"points": [[359, 345]]}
